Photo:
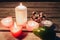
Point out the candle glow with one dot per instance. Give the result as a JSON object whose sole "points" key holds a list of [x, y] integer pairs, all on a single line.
{"points": [[16, 30], [32, 25], [7, 22]]}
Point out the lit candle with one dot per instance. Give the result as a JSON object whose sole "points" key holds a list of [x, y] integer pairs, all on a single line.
{"points": [[31, 25], [7, 22], [16, 30], [21, 14]]}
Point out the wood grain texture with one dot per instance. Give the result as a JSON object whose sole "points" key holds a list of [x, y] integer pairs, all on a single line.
{"points": [[30, 4], [30, 36], [50, 12], [51, 9], [8, 36]]}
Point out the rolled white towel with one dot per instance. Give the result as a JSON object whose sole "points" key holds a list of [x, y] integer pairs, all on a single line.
{"points": [[47, 23]]}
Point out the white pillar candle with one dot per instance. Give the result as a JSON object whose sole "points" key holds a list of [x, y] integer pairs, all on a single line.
{"points": [[21, 14]]}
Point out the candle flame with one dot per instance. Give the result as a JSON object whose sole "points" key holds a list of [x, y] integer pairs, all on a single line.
{"points": [[20, 4], [15, 25]]}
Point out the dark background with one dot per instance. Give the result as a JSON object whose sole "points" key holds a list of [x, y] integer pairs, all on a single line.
{"points": [[29, 0]]}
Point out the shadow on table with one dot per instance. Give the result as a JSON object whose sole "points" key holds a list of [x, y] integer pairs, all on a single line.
{"points": [[57, 38], [24, 34], [55, 26], [21, 37]]}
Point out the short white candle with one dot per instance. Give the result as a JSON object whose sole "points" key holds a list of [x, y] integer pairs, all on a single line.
{"points": [[31, 25], [7, 22]]}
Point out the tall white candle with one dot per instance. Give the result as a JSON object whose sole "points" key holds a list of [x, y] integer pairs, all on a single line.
{"points": [[21, 14]]}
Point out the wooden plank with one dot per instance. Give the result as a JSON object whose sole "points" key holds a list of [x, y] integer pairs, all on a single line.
{"points": [[51, 9], [30, 4], [50, 12], [52, 19], [6, 36], [32, 9], [29, 36], [9, 36], [44, 9]]}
